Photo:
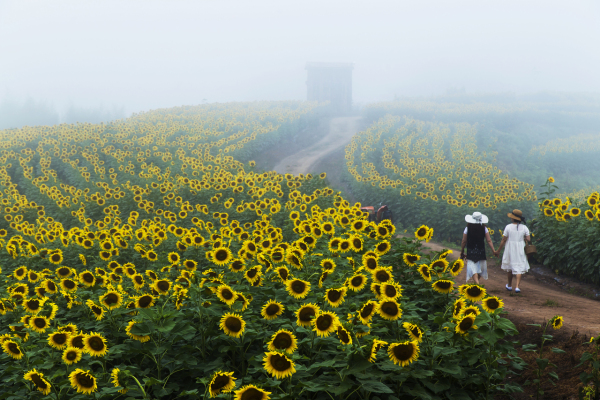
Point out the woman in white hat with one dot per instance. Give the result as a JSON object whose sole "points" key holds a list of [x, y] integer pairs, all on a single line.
{"points": [[514, 260], [473, 237]]}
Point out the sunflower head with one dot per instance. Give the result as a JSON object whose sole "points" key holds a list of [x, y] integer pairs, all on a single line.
{"points": [[306, 314], [221, 382], [465, 323], [278, 365], [233, 325], [325, 323], [557, 322], [403, 353], [283, 340], [83, 381], [272, 310], [297, 288], [491, 304]]}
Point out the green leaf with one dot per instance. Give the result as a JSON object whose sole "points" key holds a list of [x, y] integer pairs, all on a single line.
{"points": [[375, 386], [558, 351]]}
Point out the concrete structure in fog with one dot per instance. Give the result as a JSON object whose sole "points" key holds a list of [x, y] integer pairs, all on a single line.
{"points": [[330, 82]]}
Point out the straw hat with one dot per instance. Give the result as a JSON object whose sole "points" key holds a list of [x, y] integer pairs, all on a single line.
{"points": [[516, 214], [476, 218]]}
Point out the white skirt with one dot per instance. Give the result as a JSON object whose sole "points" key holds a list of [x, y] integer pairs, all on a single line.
{"points": [[479, 267], [514, 258]]}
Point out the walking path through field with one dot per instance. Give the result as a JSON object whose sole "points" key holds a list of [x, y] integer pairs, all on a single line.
{"points": [[579, 313], [340, 132]]}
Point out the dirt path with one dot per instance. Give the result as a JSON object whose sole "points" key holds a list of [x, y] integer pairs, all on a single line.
{"points": [[341, 130], [539, 299]]}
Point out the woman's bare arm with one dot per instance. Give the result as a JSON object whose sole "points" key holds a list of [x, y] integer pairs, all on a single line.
{"points": [[463, 243], [504, 239], [528, 239], [489, 241]]}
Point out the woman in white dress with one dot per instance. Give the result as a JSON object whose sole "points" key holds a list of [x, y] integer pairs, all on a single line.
{"points": [[473, 238], [514, 260]]}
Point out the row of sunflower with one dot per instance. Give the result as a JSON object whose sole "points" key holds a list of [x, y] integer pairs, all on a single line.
{"points": [[227, 281], [566, 230], [432, 173]]}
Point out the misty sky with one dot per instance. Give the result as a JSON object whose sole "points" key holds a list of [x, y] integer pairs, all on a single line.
{"points": [[149, 54]]}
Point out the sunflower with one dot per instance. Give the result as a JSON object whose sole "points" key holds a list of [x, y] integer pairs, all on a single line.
{"points": [[456, 267], [425, 272], [376, 289], [68, 285], [96, 309], [382, 275], [549, 213], [335, 297], [334, 245], [306, 314], [389, 309], [233, 325], [226, 294], [283, 273], [370, 262], [404, 353], [272, 310], [471, 310], [221, 382], [473, 292], [422, 232], [111, 299], [557, 322], [253, 274], [162, 286], [443, 286], [39, 324], [20, 273], [33, 306], [391, 291], [297, 288], [375, 347], [491, 304], [292, 257], [328, 265], [382, 247], [83, 381], [439, 266], [144, 301], [56, 257], [38, 379], [117, 382], [139, 338], [357, 282], [343, 335], [11, 348], [71, 355], [411, 259], [465, 323], [278, 365], [58, 340], [325, 323], [413, 331], [283, 340], [589, 215], [251, 392]]}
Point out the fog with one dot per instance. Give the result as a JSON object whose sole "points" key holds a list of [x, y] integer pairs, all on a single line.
{"points": [[111, 58]]}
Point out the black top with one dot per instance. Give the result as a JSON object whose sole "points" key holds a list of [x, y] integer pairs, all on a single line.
{"points": [[475, 242]]}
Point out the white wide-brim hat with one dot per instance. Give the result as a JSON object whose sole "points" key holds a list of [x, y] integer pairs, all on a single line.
{"points": [[476, 218]]}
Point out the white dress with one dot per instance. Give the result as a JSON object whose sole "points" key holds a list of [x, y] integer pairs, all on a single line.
{"points": [[479, 267], [514, 258]]}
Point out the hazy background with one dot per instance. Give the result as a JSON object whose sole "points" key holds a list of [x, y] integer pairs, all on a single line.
{"points": [[94, 60]]}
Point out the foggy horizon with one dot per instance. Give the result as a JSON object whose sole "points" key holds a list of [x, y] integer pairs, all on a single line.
{"points": [[135, 56]]}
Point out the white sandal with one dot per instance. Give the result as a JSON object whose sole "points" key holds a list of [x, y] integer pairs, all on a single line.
{"points": [[509, 288], [517, 290]]}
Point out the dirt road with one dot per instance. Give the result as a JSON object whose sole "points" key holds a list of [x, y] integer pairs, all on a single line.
{"points": [[539, 299], [340, 132]]}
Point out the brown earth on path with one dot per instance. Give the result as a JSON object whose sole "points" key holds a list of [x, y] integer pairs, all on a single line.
{"points": [[541, 298], [341, 130]]}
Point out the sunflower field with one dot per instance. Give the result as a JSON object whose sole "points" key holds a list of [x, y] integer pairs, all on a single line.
{"points": [[146, 258], [432, 173], [567, 233]]}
